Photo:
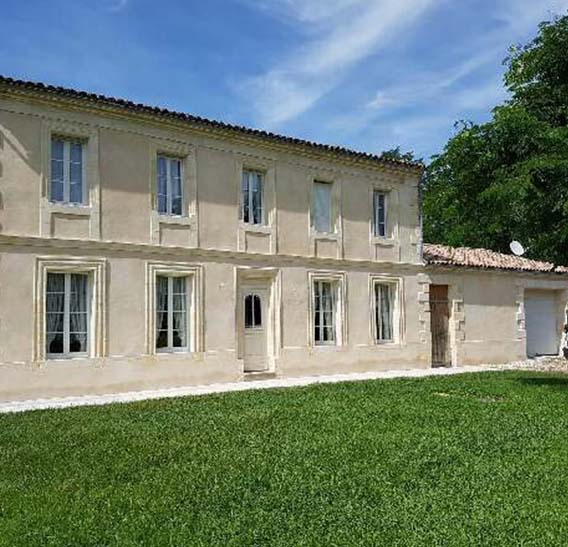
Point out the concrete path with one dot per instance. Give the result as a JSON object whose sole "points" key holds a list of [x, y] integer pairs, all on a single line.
{"points": [[90, 400]]}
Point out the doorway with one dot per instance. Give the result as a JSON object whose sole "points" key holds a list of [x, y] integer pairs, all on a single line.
{"points": [[255, 325], [440, 325]]}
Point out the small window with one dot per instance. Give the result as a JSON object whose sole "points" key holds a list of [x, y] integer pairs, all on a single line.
{"points": [[325, 303], [169, 186], [253, 311], [171, 313], [322, 211], [379, 214], [384, 312], [67, 314], [67, 182], [252, 197]]}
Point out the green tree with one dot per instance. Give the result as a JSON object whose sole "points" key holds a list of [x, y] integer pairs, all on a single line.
{"points": [[396, 154], [508, 178]]}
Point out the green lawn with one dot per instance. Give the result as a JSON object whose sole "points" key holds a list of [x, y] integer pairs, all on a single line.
{"points": [[475, 459]]}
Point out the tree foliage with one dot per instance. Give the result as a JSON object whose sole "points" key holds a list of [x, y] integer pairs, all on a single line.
{"points": [[508, 178]]}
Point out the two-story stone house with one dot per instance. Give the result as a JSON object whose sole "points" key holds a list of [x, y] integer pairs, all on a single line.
{"points": [[146, 248], [141, 247]]}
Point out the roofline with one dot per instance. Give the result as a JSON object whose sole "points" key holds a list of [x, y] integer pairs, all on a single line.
{"points": [[489, 269], [19, 89]]}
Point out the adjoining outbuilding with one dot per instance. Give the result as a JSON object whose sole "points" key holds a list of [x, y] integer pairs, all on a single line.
{"points": [[489, 307]]}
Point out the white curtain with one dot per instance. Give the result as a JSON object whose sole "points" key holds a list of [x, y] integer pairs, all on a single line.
{"points": [[384, 304], [322, 207], [161, 312], [78, 313], [55, 308], [179, 300]]}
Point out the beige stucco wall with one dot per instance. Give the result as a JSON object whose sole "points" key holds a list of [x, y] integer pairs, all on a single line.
{"points": [[487, 323], [127, 365]]}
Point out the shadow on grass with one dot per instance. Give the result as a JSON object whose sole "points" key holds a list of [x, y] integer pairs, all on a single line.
{"points": [[552, 381]]}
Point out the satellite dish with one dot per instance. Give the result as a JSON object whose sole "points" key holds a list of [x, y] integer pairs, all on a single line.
{"points": [[517, 248]]}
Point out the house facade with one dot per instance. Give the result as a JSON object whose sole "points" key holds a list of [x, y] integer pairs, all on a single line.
{"points": [[144, 248]]}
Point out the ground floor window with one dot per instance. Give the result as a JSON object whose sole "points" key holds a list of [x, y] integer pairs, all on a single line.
{"points": [[67, 314], [171, 313], [384, 304], [325, 312]]}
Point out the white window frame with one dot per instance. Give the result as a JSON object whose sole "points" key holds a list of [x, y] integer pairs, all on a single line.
{"points": [[66, 354], [194, 311], [67, 142], [169, 158], [96, 268], [376, 223], [188, 305], [396, 285], [338, 284], [332, 208], [262, 174]]}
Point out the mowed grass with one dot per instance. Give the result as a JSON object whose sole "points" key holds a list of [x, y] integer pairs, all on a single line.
{"points": [[475, 459]]}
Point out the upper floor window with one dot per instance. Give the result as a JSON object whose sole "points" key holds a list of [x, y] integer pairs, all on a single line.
{"points": [[67, 314], [67, 182], [379, 214], [252, 197], [169, 185], [322, 220]]}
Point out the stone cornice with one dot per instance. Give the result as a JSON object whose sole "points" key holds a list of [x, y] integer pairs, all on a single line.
{"points": [[65, 246]]}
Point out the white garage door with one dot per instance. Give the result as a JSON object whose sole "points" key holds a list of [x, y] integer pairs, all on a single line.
{"points": [[542, 328]]}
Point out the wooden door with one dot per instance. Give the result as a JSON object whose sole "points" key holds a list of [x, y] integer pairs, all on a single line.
{"points": [[255, 325], [439, 321]]}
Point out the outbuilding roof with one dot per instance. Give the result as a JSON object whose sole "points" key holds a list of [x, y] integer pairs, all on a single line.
{"points": [[24, 86], [443, 255]]}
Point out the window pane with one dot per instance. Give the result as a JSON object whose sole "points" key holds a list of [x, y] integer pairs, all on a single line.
{"points": [[379, 214], [57, 191], [322, 207], [162, 185], [77, 342], [54, 343], [56, 170], [245, 186], [179, 330], [57, 149], [175, 174], [257, 311], [76, 193], [55, 283], [76, 153], [176, 206], [162, 339], [384, 295], [248, 311], [256, 202]]}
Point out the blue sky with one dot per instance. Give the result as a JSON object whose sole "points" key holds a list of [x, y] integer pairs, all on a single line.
{"points": [[366, 74]]}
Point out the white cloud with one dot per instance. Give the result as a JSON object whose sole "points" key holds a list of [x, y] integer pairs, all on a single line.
{"points": [[348, 31], [115, 5]]}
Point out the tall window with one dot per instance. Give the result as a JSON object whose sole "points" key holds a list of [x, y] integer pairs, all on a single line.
{"points": [[171, 313], [379, 214], [322, 212], [169, 186], [325, 304], [67, 314], [251, 197], [67, 183], [384, 312]]}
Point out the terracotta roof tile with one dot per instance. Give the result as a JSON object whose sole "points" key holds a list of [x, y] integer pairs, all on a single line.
{"points": [[444, 255], [103, 100]]}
